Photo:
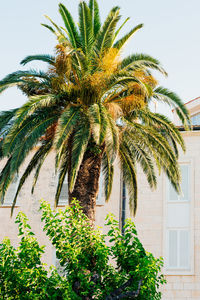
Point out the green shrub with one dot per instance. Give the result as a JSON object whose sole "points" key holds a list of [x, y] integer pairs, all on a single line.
{"points": [[87, 261], [22, 274]]}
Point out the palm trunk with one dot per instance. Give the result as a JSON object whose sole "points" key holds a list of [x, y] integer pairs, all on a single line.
{"points": [[87, 184]]}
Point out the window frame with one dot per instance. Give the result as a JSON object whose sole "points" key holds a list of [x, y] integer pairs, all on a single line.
{"points": [[192, 116], [8, 204], [179, 271]]}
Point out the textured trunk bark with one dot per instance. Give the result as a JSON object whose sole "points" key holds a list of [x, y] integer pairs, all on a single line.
{"points": [[87, 184]]}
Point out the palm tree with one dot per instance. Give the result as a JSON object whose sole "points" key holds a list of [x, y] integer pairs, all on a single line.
{"points": [[91, 106]]}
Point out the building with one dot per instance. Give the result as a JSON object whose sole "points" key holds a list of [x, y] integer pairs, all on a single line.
{"points": [[168, 224]]}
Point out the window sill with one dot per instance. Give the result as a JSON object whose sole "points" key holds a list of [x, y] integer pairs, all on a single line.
{"points": [[178, 272], [8, 206]]}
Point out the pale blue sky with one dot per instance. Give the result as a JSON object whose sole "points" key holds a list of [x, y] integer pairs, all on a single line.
{"points": [[171, 34]]}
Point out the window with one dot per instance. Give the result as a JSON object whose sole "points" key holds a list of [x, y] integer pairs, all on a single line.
{"points": [[101, 196], [10, 194], [178, 225], [195, 119], [56, 263], [63, 200]]}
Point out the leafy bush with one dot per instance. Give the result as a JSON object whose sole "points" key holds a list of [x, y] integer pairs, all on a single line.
{"points": [[87, 261], [22, 274]]}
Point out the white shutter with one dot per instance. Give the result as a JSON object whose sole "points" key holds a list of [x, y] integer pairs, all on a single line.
{"points": [[63, 200], [178, 215], [179, 249], [173, 249], [185, 183], [101, 196], [10, 194], [178, 237], [184, 249]]}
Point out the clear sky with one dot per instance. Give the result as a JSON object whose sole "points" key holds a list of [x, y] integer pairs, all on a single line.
{"points": [[171, 34]]}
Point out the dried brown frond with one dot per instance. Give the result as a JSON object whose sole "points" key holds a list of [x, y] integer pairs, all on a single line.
{"points": [[62, 68], [114, 109], [50, 132]]}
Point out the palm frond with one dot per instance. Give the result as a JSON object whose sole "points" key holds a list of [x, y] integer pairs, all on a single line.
{"points": [[163, 124], [112, 138], [41, 57], [49, 27], [95, 121], [120, 28], [20, 141], [6, 119], [140, 153], [70, 26], [108, 172], [141, 61], [119, 44], [107, 32], [67, 122], [129, 177], [38, 168], [85, 27], [41, 152], [58, 32], [96, 22], [80, 141], [19, 77], [62, 174], [172, 99]]}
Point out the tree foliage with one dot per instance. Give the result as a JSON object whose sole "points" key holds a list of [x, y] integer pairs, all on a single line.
{"points": [[91, 268], [91, 98]]}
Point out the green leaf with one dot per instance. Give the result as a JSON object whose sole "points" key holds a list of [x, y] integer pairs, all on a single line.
{"points": [[106, 35], [96, 23], [119, 44], [41, 57], [80, 141], [70, 26], [85, 27]]}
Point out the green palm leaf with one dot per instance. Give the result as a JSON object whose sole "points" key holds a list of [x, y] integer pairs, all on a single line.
{"points": [[106, 34], [70, 26], [96, 23], [129, 177], [67, 122], [85, 27], [108, 171], [172, 99], [80, 141], [42, 57], [41, 152], [62, 175], [141, 61], [119, 44]]}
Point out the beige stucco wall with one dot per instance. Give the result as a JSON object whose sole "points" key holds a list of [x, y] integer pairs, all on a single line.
{"points": [[150, 222], [29, 204]]}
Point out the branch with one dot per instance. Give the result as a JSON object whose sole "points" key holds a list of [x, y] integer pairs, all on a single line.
{"points": [[118, 293]]}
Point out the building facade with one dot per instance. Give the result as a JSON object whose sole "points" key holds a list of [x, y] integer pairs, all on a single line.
{"points": [[168, 224]]}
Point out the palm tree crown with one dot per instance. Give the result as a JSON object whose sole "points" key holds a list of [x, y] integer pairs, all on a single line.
{"points": [[91, 105]]}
